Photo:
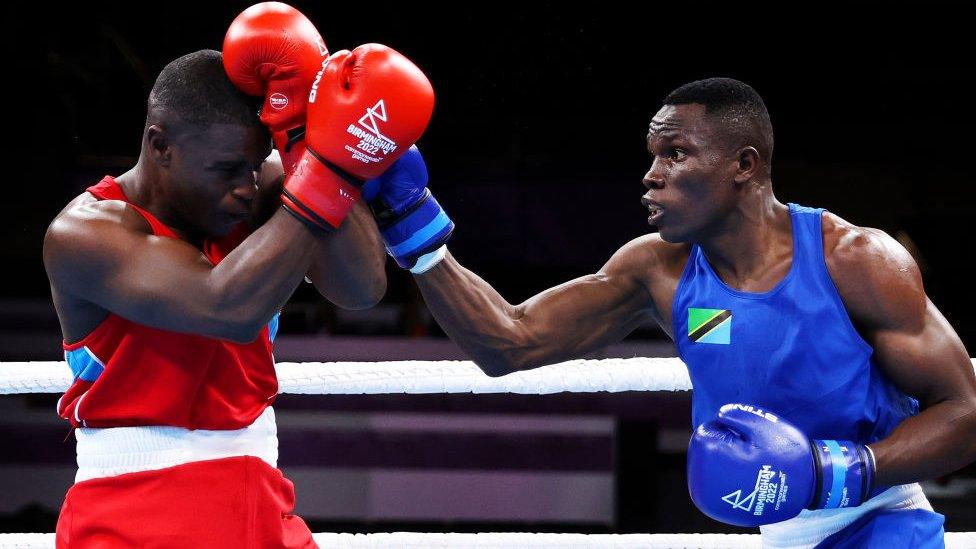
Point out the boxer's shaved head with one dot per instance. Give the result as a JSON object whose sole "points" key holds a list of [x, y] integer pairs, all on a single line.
{"points": [[194, 91], [734, 109]]}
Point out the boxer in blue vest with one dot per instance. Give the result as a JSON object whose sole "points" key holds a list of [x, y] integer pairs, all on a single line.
{"points": [[826, 383]]}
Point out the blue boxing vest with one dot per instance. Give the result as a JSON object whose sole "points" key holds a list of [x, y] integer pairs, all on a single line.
{"points": [[792, 350]]}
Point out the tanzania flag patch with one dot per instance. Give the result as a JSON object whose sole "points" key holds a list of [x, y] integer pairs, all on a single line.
{"points": [[710, 325]]}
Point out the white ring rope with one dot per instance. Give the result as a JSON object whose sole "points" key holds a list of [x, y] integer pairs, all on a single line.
{"points": [[415, 376], [411, 540]]}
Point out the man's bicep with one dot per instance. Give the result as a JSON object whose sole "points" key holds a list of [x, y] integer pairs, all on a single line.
{"points": [[928, 361], [160, 282], [914, 344], [586, 314]]}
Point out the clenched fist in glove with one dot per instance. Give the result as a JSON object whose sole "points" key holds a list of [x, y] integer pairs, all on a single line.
{"points": [[749, 467], [273, 51], [365, 109]]}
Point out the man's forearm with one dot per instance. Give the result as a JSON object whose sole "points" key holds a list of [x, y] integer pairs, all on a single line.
{"points": [[256, 279], [349, 268], [475, 316], [941, 439]]}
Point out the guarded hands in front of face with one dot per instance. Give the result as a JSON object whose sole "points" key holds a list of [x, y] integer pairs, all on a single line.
{"points": [[336, 120], [365, 109]]}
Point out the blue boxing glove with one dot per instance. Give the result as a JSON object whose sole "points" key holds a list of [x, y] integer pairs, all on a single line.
{"points": [[412, 223], [748, 467]]}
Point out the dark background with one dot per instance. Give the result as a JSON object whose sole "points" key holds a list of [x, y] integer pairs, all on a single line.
{"points": [[537, 142], [536, 147]]}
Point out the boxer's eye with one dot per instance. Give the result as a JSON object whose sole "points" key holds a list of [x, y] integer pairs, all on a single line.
{"points": [[230, 169]]}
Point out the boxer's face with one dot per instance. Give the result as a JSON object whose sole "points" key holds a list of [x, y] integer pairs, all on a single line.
{"points": [[689, 184], [213, 175]]}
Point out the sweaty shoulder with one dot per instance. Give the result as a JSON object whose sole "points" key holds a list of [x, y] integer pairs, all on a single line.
{"points": [[649, 256], [878, 280], [655, 266], [86, 209], [84, 225]]}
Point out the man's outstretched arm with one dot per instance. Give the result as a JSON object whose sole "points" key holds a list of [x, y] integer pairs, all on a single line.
{"points": [[561, 323]]}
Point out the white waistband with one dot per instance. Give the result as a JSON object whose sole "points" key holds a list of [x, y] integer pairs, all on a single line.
{"points": [[812, 527], [118, 450]]}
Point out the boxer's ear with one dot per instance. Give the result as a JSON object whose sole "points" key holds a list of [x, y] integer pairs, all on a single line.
{"points": [[748, 165], [160, 145]]}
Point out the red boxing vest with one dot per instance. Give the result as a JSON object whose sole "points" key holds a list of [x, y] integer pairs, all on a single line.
{"points": [[127, 374]]}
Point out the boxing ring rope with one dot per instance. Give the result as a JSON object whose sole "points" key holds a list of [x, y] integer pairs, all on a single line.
{"points": [[420, 377], [415, 377]]}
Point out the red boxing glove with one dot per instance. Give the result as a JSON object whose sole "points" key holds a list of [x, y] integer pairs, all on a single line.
{"points": [[272, 50], [365, 109]]}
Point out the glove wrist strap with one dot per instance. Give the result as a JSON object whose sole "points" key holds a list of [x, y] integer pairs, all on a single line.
{"points": [[421, 229], [845, 471], [318, 194]]}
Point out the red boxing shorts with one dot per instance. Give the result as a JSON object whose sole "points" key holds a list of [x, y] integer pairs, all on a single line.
{"points": [[234, 503]]}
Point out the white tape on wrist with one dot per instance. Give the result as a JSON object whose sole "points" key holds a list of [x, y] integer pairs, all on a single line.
{"points": [[427, 261]]}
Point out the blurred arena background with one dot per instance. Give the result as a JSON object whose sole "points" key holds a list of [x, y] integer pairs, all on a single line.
{"points": [[537, 150]]}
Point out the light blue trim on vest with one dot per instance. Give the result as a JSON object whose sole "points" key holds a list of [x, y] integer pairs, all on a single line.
{"points": [[84, 364], [273, 327]]}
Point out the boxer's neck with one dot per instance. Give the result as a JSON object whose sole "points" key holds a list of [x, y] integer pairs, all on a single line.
{"points": [[144, 187], [753, 238]]}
